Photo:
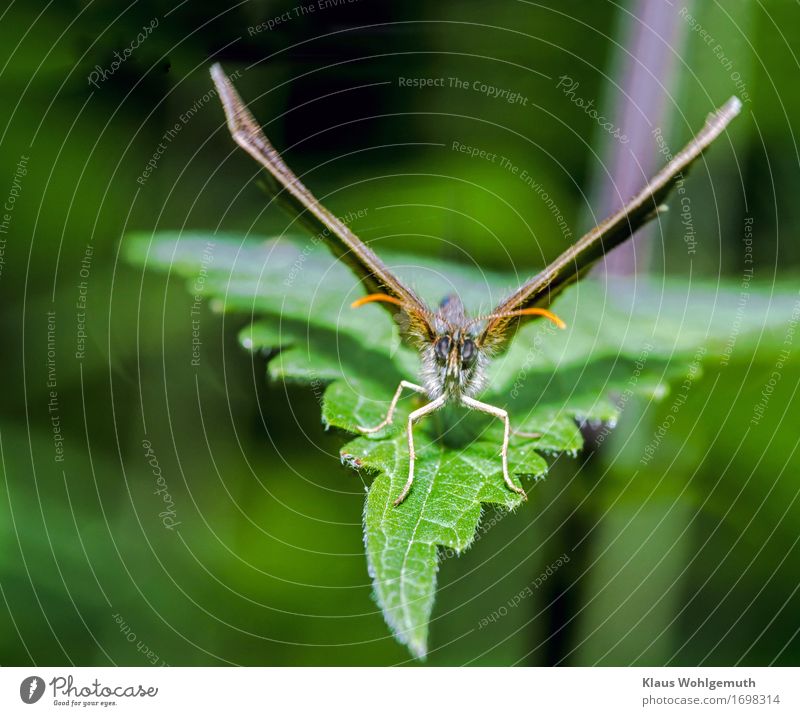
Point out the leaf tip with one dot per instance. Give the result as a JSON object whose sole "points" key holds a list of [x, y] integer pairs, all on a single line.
{"points": [[418, 649]]}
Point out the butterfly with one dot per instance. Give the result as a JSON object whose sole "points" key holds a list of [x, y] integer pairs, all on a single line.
{"points": [[454, 348]]}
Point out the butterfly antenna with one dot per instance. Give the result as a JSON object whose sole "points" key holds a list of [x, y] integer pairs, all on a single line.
{"points": [[373, 297], [549, 315]]}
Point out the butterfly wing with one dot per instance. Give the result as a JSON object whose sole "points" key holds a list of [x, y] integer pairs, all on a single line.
{"points": [[344, 244], [542, 289]]}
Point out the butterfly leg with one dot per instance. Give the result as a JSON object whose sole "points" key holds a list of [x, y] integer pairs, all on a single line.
{"points": [[412, 456], [393, 405], [503, 415]]}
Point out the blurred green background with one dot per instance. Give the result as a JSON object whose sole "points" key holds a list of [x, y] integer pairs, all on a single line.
{"points": [[691, 559]]}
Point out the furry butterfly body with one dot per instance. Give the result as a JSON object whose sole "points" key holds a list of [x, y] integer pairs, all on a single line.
{"points": [[456, 349]]}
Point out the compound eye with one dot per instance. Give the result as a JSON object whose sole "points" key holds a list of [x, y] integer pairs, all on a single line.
{"points": [[468, 352], [442, 348]]}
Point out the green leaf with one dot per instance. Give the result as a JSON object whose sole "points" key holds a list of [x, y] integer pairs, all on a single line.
{"points": [[626, 338]]}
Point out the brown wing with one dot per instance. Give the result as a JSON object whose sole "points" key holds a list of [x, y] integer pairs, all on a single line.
{"points": [[344, 244], [576, 260]]}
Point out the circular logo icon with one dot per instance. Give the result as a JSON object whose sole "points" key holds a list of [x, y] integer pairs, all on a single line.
{"points": [[31, 689]]}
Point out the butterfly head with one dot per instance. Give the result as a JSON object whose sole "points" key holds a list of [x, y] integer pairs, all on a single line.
{"points": [[453, 362], [455, 349]]}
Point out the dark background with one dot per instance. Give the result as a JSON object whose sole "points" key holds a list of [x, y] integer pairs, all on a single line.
{"points": [[692, 561]]}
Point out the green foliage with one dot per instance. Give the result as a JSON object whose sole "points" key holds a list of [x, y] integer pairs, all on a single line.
{"points": [[623, 339]]}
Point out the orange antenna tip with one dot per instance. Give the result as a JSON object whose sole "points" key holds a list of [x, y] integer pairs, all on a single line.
{"points": [[549, 315], [371, 298]]}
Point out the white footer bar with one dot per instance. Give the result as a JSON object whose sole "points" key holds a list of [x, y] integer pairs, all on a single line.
{"points": [[401, 691]]}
